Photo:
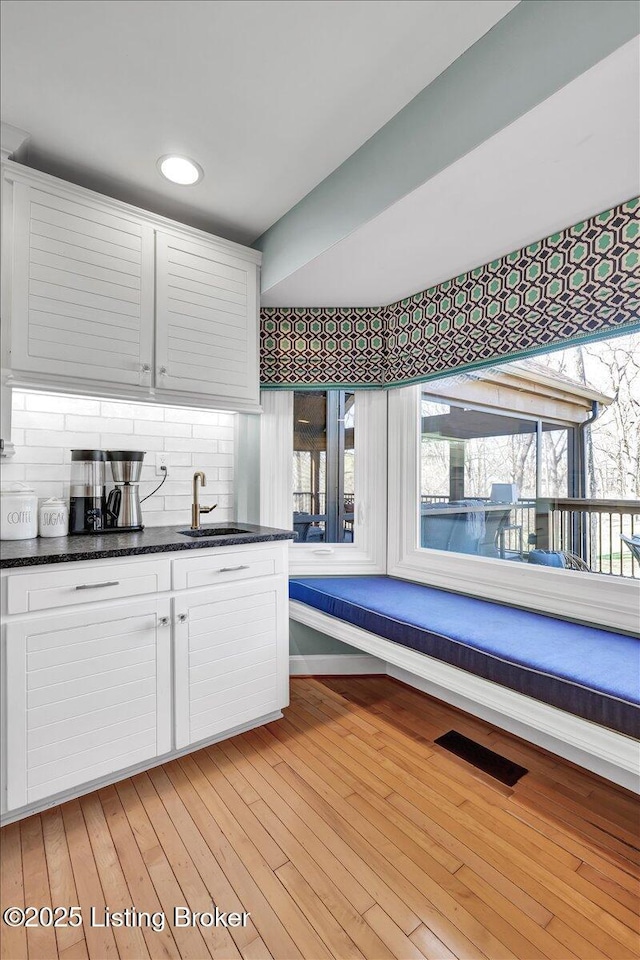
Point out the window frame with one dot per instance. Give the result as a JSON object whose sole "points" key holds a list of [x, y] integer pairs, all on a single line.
{"points": [[589, 597], [368, 552]]}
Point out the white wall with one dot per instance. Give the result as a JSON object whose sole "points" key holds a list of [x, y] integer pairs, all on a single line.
{"points": [[45, 427]]}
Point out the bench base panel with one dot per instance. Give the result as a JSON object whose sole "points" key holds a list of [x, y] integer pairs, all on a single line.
{"points": [[605, 752]]}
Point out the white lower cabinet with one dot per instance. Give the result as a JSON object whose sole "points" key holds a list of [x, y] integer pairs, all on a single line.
{"points": [[230, 657], [93, 689], [88, 693]]}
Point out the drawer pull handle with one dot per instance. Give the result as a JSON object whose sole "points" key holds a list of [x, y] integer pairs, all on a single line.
{"points": [[243, 566], [94, 586]]}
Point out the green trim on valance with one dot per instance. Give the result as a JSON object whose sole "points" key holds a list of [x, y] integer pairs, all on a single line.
{"points": [[573, 286]]}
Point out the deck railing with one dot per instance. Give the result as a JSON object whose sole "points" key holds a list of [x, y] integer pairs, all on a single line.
{"points": [[520, 532], [591, 529], [306, 502]]}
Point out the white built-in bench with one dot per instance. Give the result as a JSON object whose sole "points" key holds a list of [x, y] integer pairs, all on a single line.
{"points": [[571, 688]]}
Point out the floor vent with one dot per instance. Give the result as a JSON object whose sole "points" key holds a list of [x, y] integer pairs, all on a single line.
{"points": [[486, 760]]}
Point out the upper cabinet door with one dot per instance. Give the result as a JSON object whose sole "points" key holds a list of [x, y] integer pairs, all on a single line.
{"points": [[82, 289], [206, 322]]}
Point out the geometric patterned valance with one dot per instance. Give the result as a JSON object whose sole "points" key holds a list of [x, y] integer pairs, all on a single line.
{"points": [[576, 284]]}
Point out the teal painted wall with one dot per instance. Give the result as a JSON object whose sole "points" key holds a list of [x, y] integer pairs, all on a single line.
{"points": [[304, 641]]}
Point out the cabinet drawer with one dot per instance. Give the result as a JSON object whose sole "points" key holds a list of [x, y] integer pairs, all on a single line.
{"points": [[86, 583], [226, 565]]}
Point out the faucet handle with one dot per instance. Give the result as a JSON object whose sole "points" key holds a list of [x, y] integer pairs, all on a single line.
{"points": [[208, 509]]}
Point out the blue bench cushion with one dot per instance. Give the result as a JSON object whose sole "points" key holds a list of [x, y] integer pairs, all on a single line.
{"points": [[590, 672]]}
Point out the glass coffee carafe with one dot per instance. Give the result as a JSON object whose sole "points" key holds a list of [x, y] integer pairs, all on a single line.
{"points": [[87, 500]]}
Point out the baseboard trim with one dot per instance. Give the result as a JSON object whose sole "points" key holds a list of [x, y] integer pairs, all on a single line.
{"points": [[335, 665]]}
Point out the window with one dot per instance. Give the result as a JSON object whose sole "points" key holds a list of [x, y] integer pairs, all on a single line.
{"points": [[536, 461], [567, 428], [478, 478], [326, 478], [324, 466]]}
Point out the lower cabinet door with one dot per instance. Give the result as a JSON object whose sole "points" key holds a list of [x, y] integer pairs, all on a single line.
{"points": [[231, 657], [89, 693]]}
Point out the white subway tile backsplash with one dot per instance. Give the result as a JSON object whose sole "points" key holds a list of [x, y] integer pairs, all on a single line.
{"points": [[11, 472], [47, 488], [161, 518], [163, 429], [185, 415], [182, 503], [177, 488], [46, 471], [48, 426], [52, 403], [101, 424], [206, 431], [117, 441], [132, 411], [39, 421], [177, 473], [184, 444], [40, 455], [61, 438], [215, 460], [178, 460]]}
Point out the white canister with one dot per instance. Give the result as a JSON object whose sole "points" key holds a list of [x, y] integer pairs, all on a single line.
{"points": [[18, 513], [53, 518]]}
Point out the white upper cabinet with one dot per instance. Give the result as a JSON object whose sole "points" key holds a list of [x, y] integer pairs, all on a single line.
{"points": [[82, 290], [206, 320], [108, 299]]}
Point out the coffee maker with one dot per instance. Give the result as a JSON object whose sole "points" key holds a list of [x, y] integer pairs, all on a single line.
{"points": [[87, 501], [123, 511]]}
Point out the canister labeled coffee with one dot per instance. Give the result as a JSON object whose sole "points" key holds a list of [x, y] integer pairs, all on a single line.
{"points": [[18, 513]]}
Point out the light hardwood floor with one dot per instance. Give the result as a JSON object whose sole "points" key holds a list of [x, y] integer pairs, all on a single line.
{"points": [[345, 832]]}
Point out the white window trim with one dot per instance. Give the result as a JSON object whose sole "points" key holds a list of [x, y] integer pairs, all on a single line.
{"points": [[587, 597], [368, 552]]}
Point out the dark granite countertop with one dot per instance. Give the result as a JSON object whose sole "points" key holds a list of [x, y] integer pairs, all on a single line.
{"points": [[28, 553]]}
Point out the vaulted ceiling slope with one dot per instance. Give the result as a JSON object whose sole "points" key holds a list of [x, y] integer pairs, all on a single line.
{"points": [[269, 96]]}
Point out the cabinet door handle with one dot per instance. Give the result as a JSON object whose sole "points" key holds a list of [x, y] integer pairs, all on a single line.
{"points": [[162, 371], [163, 621], [243, 566], [145, 367], [183, 617], [95, 586]]}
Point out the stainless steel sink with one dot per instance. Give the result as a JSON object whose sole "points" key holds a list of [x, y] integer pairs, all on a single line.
{"points": [[213, 532]]}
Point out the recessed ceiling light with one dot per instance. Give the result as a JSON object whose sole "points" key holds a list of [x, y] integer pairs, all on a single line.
{"points": [[180, 170]]}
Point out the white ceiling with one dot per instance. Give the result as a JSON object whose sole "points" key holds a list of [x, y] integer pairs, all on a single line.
{"points": [[574, 155], [268, 96]]}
